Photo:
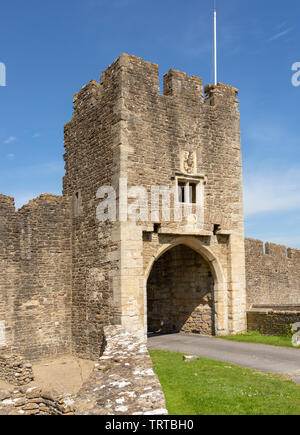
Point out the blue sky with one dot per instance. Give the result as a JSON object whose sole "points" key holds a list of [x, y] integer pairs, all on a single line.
{"points": [[52, 48]]}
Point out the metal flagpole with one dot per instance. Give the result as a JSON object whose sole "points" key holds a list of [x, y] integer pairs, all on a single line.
{"points": [[215, 43]]}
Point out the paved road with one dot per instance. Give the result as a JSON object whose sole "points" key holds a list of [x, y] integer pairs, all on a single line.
{"points": [[280, 360]]}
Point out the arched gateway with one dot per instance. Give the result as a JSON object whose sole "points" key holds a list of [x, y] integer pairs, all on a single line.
{"points": [[185, 290], [180, 293]]}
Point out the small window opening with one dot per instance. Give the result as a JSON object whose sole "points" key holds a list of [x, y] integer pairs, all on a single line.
{"points": [[193, 193], [216, 229], [156, 228], [77, 203], [187, 192], [181, 192], [147, 236], [266, 249]]}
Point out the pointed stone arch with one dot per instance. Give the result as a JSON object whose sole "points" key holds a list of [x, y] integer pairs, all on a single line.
{"points": [[220, 283]]}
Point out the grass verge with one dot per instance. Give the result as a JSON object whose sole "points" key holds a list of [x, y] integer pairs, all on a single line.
{"points": [[207, 387], [256, 337]]}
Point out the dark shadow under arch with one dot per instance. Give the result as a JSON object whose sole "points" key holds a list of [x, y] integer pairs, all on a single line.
{"points": [[180, 293]]}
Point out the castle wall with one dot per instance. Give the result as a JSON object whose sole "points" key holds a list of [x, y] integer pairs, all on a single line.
{"points": [[36, 277], [272, 274], [272, 322]]}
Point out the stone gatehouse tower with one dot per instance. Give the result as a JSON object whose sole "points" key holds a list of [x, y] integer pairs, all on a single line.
{"points": [[66, 272], [155, 273]]}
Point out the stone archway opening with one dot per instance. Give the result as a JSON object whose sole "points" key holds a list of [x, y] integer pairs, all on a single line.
{"points": [[180, 293]]}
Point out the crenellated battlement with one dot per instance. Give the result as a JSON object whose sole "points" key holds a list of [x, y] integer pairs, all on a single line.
{"points": [[221, 94], [132, 74], [273, 273], [260, 248], [43, 200], [87, 97], [179, 84], [7, 204]]}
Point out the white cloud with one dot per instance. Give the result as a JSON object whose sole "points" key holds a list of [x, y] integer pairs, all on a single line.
{"points": [[36, 135], [280, 34], [10, 156], [269, 190], [10, 139]]}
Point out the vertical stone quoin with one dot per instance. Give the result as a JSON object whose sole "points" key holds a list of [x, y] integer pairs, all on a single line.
{"points": [[223, 99]]}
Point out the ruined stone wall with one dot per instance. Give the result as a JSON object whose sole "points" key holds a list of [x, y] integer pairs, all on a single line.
{"points": [[35, 401], [35, 295], [180, 293], [273, 274], [272, 322]]}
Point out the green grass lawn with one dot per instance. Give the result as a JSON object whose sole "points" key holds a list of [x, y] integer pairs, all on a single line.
{"points": [[207, 387], [256, 337]]}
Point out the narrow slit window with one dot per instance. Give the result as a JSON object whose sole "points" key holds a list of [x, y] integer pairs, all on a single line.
{"points": [[77, 203], [181, 192], [193, 193]]}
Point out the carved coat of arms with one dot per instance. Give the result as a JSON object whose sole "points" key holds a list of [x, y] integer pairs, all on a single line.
{"points": [[189, 162]]}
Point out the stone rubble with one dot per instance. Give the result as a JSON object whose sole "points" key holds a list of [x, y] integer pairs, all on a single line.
{"points": [[14, 369], [188, 358], [34, 401]]}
